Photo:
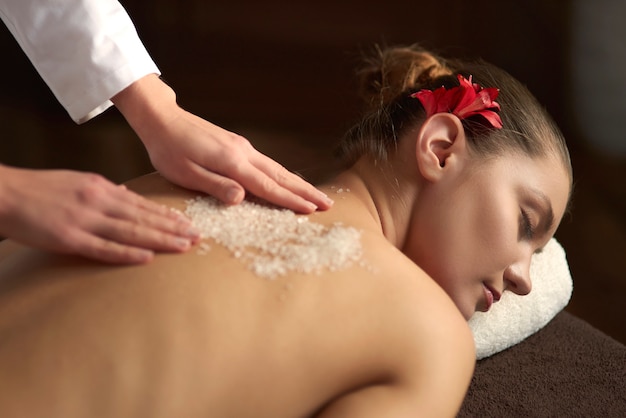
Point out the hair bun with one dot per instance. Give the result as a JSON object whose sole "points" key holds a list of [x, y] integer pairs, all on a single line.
{"points": [[391, 72]]}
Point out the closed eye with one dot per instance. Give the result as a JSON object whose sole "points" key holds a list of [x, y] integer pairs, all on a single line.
{"points": [[527, 229]]}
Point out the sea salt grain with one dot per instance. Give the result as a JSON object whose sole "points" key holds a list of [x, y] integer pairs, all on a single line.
{"points": [[203, 248], [272, 241]]}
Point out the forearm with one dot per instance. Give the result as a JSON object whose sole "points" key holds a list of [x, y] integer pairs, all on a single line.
{"points": [[86, 51]]}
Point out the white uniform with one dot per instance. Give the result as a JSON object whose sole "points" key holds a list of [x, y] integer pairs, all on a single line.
{"points": [[85, 50]]}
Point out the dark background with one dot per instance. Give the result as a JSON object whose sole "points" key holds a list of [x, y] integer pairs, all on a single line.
{"points": [[281, 73]]}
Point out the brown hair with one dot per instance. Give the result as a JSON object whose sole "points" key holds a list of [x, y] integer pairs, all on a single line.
{"points": [[392, 74]]}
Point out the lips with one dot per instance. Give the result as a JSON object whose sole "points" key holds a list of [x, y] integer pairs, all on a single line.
{"points": [[496, 295], [491, 296]]}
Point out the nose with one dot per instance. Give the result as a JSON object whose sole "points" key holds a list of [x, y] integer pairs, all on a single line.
{"points": [[517, 278]]}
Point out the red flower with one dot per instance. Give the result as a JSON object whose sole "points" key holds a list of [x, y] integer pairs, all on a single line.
{"points": [[468, 99]]}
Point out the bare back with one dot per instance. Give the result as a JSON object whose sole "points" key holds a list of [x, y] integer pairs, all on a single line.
{"points": [[199, 334]]}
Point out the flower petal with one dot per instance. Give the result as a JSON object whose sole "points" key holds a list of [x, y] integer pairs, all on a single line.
{"points": [[465, 100]]}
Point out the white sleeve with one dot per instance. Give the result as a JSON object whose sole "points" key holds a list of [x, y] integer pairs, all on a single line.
{"points": [[85, 50]]}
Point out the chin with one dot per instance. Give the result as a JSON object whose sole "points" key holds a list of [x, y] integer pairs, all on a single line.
{"points": [[467, 314], [458, 295], [466, 309]]}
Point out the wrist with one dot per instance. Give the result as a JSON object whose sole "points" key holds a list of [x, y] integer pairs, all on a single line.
{"points": [[147, 105]]}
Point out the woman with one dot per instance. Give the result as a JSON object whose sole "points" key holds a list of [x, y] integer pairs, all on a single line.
{"points": [[451, 193]]}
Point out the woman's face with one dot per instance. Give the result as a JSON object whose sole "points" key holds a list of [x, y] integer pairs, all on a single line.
{"points": [[475, 234]]}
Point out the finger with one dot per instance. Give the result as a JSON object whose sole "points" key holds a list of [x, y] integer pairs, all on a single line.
{"points": [[141, 236], [139, 210], [151, 206], [263, 186], [179, 227], [292, 182], [222, 188], [111, 252]]}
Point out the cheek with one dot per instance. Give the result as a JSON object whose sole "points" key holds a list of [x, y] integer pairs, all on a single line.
{"points": [[492, 232], [464, 239], [493, 228], [442, 237]]}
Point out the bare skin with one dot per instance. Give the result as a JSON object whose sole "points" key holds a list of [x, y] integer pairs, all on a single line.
{"points": [[191, 334], [196, 335]]}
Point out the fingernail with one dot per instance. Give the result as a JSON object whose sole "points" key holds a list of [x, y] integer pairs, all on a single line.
{"points": [[144, 256], [193, 233], [311, 206], [326, 199], [182, 243], [178, 216], [233, 195]]}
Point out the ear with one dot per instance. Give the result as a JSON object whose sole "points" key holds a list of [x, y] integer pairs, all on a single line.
{"points": [[440, 142]]}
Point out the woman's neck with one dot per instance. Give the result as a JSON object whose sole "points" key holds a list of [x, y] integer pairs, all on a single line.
{"points": [[387, 198]]}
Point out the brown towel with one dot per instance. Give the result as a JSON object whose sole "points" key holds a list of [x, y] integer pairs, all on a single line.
{"points": [[567, 369]]}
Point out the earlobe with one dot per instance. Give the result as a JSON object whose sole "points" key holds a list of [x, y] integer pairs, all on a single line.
{"points": [[440, 141]]}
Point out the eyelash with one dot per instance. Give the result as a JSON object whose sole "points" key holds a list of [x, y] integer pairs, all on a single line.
{"points": [[527, 226]]}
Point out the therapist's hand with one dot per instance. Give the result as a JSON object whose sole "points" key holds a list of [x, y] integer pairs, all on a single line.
{"points": [[199, 155], [84, 214]]}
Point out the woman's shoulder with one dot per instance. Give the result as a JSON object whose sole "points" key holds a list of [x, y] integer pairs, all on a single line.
{"points": [[413, 297], [404, 329], [436, 354]]}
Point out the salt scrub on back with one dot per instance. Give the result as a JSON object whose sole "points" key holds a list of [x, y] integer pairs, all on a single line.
{"points": [[275, 241]]}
